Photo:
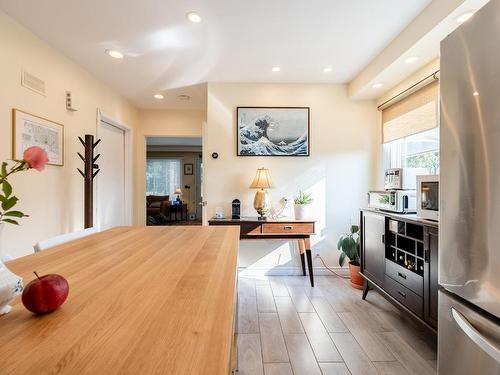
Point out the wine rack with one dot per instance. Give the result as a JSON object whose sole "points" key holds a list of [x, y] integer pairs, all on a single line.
{"points": [[405, 246]]}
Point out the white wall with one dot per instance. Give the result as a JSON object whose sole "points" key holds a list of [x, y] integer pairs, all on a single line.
{"points": [[345, 144], [53, 198]]}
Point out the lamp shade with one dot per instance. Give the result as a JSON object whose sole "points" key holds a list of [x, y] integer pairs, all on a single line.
{"points": [[262, 179], [178, 191]]}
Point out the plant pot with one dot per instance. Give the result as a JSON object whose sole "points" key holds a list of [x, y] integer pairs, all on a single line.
{"points": [[11, 285], [301, 211], [356, 279]]}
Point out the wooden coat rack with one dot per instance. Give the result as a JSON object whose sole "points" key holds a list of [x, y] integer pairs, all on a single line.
{"points": [[91, 171]]}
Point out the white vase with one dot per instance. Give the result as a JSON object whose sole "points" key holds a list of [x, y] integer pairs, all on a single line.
{"points": [[301, 211], [11, 285]]}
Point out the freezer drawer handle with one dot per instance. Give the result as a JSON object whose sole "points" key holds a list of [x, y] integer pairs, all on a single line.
{"points": [[475, 336]]}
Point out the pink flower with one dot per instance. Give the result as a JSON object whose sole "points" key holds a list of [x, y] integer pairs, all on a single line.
{"points": [[36, 158]]}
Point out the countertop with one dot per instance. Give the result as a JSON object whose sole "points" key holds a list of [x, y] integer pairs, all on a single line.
{"points": [[413, 218], [142, 300]]}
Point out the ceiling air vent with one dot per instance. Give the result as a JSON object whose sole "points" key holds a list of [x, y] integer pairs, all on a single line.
{"points": [[34, 83]]}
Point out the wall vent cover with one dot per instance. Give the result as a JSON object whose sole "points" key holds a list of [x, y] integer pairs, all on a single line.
{"points": [[34, 83]]}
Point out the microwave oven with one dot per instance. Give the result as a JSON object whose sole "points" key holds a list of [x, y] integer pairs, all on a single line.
{"points": [[400, 201], [428, 197]]}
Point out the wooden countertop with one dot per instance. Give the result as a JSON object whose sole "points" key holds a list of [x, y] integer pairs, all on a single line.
{"points": [[142, 300]]}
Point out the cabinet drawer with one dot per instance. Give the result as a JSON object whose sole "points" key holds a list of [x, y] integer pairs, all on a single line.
{"points": [[250, 228], [405, 277], [404, 295], [294, 228]]}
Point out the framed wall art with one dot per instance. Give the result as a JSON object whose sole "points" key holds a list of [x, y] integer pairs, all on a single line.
{"points": [[273, 131], [188, 169], [30, 130]]}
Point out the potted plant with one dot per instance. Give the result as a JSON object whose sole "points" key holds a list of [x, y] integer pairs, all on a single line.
{"points": [[11, 285], [350, 248], [301, 207]]}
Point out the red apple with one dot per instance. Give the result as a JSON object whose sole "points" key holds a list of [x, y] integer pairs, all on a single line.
{"points": [[45, 294]]}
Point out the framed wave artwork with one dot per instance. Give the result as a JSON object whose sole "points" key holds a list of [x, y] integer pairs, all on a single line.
{"points": [[272, 131]]}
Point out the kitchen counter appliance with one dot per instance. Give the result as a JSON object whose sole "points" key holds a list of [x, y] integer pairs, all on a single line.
{"points": [[400, 201]]}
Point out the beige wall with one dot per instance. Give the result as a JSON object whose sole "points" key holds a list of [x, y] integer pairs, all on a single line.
{"points": [[345, 144], [166, 123], [53, 198]]}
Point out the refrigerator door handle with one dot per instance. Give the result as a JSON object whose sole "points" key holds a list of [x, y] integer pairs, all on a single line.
{"points": [[488, 347]]}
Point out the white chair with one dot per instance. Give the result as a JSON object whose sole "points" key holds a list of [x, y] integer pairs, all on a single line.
{"points": [[63, 238]]}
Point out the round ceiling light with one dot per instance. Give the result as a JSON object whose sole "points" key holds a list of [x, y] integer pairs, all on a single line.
{"points": [[377, 85], [327, 70], [464, 17], [276, 69], [158, 96], [411, 59], [114, 54], [193, 17]]}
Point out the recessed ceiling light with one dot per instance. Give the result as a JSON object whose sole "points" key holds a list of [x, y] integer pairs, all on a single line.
{"points": [[114, 54], [475, 93], [327, 70], [276, 69], [158, 96], [464, 17], [193, 17], [377, 85], [411, 59]]}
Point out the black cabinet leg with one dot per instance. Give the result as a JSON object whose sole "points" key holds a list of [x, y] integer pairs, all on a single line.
{"points": [[366, 288], [303, 261], [310, 265]]}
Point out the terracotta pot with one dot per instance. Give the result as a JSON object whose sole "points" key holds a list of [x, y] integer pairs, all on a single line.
{"points": [[356, 278]]}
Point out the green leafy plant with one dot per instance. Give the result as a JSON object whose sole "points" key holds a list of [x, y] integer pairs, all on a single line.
{"points": [[303, 198], [349, 246], [33, 158]]}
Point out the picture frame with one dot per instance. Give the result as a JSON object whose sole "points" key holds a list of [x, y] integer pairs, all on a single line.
{"points": [[30, 130], [273, 131], [188, 169]]}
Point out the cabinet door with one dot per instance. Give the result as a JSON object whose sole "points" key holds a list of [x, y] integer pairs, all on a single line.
{"points": [[431, 276], [374, 247]]}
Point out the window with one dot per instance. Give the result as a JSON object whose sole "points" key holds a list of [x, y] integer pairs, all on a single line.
{"points": [[419, 150], [163, 176]]}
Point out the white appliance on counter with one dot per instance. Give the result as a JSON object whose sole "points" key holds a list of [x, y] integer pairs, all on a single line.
{"points": [[428, 197], [400, 201], [469, 248], [402, 178]]}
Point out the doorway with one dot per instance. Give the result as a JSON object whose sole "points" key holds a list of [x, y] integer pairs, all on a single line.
{"points": [[113, 191], [174, 177]]}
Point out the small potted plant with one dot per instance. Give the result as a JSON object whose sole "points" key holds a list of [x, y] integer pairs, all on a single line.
{"points": [[301, 208], [349, 246]]}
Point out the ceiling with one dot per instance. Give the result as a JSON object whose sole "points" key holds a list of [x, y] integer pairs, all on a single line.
{"points": [[237, 41]]}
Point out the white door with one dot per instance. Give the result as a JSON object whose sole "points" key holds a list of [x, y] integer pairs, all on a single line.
{"points": [[111, 178]]}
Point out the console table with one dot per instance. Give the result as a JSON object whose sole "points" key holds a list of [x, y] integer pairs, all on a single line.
{"points": [[178, 212], [277, 229]]}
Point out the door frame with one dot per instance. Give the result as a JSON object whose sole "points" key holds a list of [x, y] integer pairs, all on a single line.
{"points": [[128, 166], [145, 161]]}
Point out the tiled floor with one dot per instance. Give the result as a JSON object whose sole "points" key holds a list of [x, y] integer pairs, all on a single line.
{"points": [[287, 327]]}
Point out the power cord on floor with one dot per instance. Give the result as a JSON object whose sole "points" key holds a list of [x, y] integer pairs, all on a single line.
{"points": [[330, 269]]}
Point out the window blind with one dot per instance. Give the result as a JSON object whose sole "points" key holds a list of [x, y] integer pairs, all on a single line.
{"points": [[415, 113]]}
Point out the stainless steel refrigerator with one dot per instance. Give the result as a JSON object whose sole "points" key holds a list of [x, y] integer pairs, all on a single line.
{"points": [[469, 252]]}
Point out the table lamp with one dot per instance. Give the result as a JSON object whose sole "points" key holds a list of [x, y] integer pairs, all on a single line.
{"points": [[261, 202], [178, 192]]}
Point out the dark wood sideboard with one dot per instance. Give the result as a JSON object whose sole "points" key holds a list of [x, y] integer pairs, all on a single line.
{"points": [[399, 257]]}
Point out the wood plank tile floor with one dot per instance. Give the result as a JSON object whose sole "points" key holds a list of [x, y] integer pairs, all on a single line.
{"points": [[286, 327]]}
